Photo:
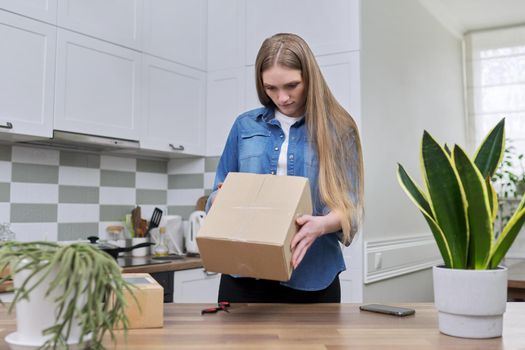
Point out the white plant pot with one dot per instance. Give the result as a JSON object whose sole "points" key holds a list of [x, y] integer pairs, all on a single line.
{"points": [[470, 303], [33, 316]]}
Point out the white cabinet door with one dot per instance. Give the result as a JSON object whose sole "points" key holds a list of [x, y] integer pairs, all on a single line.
{"points": [[342, 74], [44, 10], [27, 70], [117, 21], [176, 30], [195, 286], [226, 34], [328, 29], [97, 87], [225, 101], [173, 118]]}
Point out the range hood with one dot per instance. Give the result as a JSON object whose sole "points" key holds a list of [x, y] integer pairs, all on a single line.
{"points": [[83, 142]]}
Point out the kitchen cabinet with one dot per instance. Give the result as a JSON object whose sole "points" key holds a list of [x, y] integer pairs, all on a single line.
{"points": [[225, 101], [165, 279], [176, 30], [27, 70], [339, 31], [97, 87], [117, 21], [226, 34], [43, 10], [347, 91], [174, 98], [195, 286]]}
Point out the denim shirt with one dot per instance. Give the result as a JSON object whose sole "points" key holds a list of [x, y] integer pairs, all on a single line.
{"points": [[253, 146]]}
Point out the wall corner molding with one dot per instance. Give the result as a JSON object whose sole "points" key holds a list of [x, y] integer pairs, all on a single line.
{"points": [[389, 258]]}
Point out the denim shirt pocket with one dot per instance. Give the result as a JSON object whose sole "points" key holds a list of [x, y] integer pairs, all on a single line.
{"points": [[253, 143]]}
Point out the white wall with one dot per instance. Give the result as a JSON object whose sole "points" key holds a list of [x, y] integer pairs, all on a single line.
{"points": [[411, 74]]}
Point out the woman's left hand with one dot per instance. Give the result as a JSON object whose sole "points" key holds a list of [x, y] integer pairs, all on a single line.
{"points": [[311, 228]]}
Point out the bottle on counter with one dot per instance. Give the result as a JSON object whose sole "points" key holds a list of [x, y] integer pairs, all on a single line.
{"points": [[161, 249]]}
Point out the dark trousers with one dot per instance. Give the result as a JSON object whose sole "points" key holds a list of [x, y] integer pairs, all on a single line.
{"points": [[251, 290]]}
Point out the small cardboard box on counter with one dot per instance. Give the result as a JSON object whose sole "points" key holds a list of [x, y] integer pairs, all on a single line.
{"points": [[251, 223], [147, 311]]}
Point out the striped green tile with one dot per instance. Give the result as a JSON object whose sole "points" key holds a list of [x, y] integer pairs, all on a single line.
{"points": [[78, 159], [152, 166], [185, 181], [77, 230], [114, 212], [5, 192], [21, 212], [34, 173], [210, 164], [183, 210], [113, 178], [154, 197], [5, 152], [78, 194]]}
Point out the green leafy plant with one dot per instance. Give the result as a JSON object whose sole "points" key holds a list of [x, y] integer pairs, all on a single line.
{"points": [[510, 175], [83, 272], [509, 181], [460, 203]]}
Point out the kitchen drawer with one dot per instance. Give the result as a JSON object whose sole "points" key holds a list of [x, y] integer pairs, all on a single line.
{"points": [[195, 286]]}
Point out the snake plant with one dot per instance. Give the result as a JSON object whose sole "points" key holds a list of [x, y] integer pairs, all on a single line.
{"points": [[460, 203], [82, 272]]}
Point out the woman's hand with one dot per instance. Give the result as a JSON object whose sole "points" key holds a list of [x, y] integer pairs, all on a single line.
{"points": [[311, 228]]}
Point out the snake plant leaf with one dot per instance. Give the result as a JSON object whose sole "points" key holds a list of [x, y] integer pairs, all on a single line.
{"points": [[419, 199], [493, 199], [412, 190], [508, 235], [446, 198], [447, 149], [490, 153], [479, 213]]}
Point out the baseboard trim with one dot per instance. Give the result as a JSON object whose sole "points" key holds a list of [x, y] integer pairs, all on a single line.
{"points": [[388, 258]]}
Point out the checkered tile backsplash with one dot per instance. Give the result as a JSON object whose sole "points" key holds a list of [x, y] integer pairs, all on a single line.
{"points": [[62, 195]]}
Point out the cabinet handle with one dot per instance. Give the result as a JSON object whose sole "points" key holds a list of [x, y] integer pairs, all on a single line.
{"points": [[8, 125], [208, 273], [178, 148]]}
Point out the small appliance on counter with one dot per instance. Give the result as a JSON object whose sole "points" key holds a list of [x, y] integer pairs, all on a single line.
{"points": [[196, 220]]}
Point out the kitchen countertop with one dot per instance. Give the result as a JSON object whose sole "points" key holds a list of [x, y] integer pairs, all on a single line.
{"points": [[172, 265], [185, 263], [516, 282], [302, 327]]}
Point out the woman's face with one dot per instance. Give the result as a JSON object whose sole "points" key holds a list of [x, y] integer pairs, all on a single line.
{"points": [[285, 87]]}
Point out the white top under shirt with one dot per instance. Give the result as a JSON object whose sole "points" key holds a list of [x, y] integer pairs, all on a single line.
{"points": [[286, 122]]}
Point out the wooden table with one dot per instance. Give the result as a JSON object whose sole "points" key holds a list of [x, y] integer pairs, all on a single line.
{"points": [[304, 327], [516, 283]]}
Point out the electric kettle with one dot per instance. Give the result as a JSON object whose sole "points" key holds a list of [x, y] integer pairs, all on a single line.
{"points": [[190, 239]]}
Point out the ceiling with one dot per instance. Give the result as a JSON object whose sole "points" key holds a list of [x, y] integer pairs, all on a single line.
{"points": [[462, 16]]}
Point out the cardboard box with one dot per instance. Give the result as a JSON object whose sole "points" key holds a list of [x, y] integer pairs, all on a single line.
{"points": [[250, 226], [148, 310]]}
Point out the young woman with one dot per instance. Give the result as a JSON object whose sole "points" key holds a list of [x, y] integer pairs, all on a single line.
{"points": [[302, 131]]}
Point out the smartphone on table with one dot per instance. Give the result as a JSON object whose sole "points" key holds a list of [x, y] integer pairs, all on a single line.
{"points": [[387, 309]]}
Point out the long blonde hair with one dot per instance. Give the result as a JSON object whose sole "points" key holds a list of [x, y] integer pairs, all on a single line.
{"points": [[330, 127]]}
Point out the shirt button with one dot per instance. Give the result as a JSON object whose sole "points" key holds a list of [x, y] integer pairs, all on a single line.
{"points": [[291, 156], [273, 172], [276, 149], [281, 135]]}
